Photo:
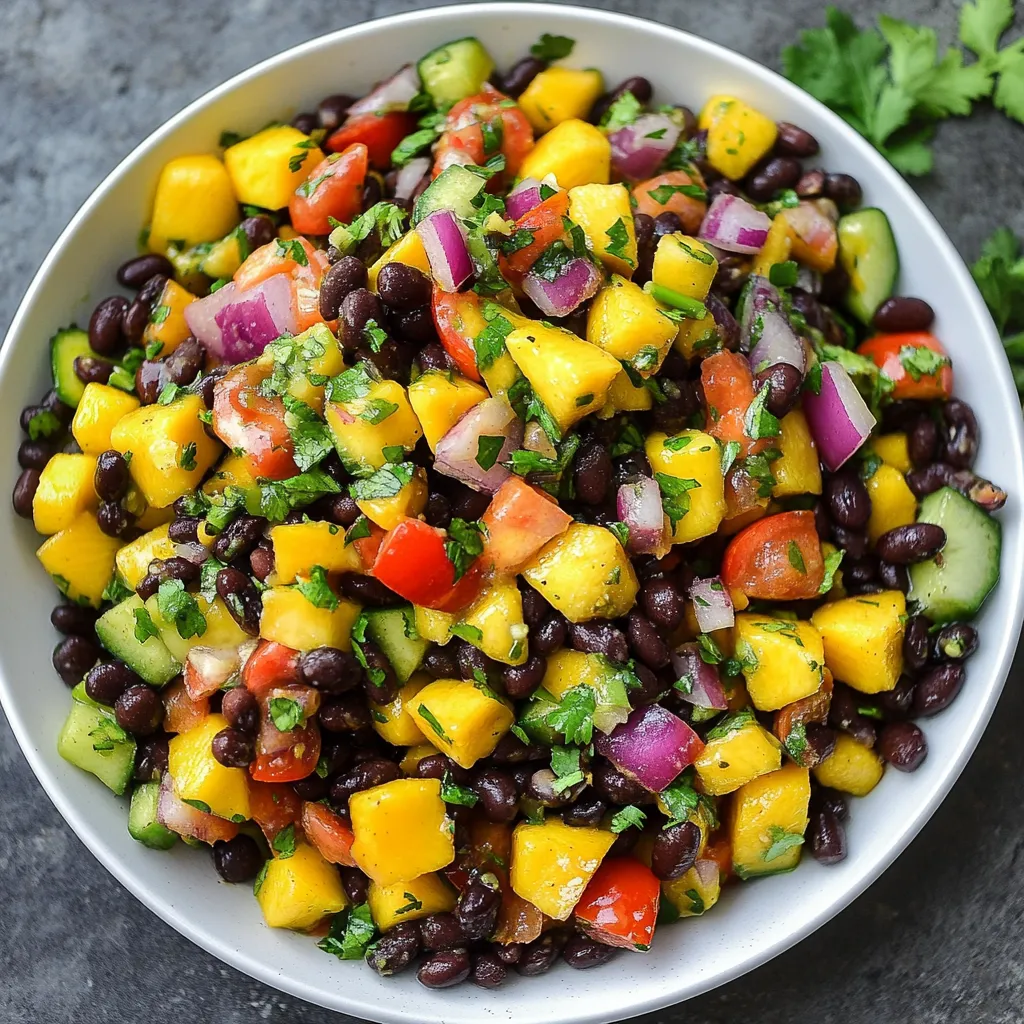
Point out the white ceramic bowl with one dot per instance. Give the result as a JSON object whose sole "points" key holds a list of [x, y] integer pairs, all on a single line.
{"points": [[754, 921]]}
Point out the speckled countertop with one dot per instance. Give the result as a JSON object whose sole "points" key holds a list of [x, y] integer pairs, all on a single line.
{"points": [[937, 939]]}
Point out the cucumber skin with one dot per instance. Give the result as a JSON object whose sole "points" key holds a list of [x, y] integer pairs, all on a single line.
{"points": [[873, 225], [114, 768], [151, 660], [445, 87], [65, 346], [142, 821]]}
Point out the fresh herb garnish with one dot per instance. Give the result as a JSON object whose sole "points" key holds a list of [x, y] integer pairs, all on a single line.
{"points": [[316, 590], [287, 714], [180, 607], [465, 542]]}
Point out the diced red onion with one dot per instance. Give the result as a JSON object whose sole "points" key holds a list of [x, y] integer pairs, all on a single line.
{"points": [[652, 746], [396, 93], [707, 870], [410, 176], [272, 740], [579, 281], [638, 505], [524, 198], [444, 240], [207, 669], [192, 551], [456, 453], [635, 154], [704, 688], [712, 605], [758, 297], [733, 224], [236, 326], [186, 820], [839, 418], [778, 343], [808, 280]]}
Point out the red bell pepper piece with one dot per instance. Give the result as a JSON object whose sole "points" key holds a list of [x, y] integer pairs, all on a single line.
{"points": [[903, 358], [728, 391], [270, 665], [778, 558], [379, 133], [620, 905]]}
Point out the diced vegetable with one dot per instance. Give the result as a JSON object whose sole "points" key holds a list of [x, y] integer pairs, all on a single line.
{"points": [[440, 400], [604, 213], [92, 740], [64, 492], [688, 469], [455, 70], [738, 135], [520, 520], [410, 900], [195, 202], [732, 224], [573, 152], [868, 254], [560, 94], [778, 558], [619, 906], [289, 618], [80, 558], [269, 166], [768, 823], [626, 322], [475, 449], [99, 409], [735, 752], [916, 362], [199, 777]]}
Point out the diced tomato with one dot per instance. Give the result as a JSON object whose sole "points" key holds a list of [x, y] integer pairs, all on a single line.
{"points": [[245, 419], [520, 520], [719, 850], [463, 139], [778, 558], [459, 318], [273, 806], [620, 905], [689, 209], [379, 133], [728, 391], [334, 188], [328, 833], [543, 225], [899, 357], [367, 547], [742, 493], [294, 763], [189, 821], [412, 561], [270, 665], [271, 259], [181, 712]]}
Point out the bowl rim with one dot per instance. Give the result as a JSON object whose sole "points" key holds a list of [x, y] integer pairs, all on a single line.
{"points": [[1011, 585]]}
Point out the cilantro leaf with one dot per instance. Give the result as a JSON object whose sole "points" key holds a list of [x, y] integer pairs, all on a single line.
{"points": [[489, 344], [618, 242], [624, 111], [453, 794], [316, 590], [663, 193], [284, 842], [488, 449], [629, 817], [921, 361], [178, 606], [675, 497], [310, 436], [412, 145], [287, 714], [44, 423], [781, 841], [758, 422], [350, 934], [351, 385], [982, 24], [386, 219], [796, 558], [550, 47], [832, 562], [278, 497], [385, 483], [565, 763], [144, 627], [574, 716], [465, 542], [187, 457]]}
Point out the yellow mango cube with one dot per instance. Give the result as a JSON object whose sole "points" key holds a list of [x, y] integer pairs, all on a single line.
{"points": [[570, 376], [892, 501], [850, 768], [552, 863], [768, 821], [409, 901], [574, 152], [268, 167], [408, 250], [363, 427], [133, 558], [297, 892], [560, 94], [440, 400], [80, 558], [65, 491], [697, 338], [892, 449], [693, 895], [776, 249], [584, 574], [463, 720], [737, 750], [625, 396], [395, 722], [167, 327], [233, 471], [100, 408], [692, 455], [494, 622], [433, 625], [408, 503], [605, 214], [863, 639], [797, 470], [738, 135], [300, 546], [170, 449], [402, 830], [414, 755], [221, 628], [782, 659], [151, 518], [628, 324], [195, 202], [290, 619], [199, 777], [684, 264]]}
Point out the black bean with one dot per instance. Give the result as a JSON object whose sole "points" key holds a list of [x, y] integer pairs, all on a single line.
{"points": [[667, 223], [538, 956], [135, 318], [416, 326], [395, 950], [592, 473], [916, 643], [497, 792], [477, 906], [440, 663], [982, 492], [783, 382], [373, 193], [520, 75], [903, 745], [433, 766], [897, 702], [112, 519], [305, 122], [139, 710], [74, 620], [344, 510], [330, 670], [811, 184], [239, 537], [185, 363], [831, 800], [629, 467], [105, 682], [923, 441], [311, 788], [488, 971], [367, 590], [379, 681], [723, 187], [344, 278], [332, 110], [771, 176], [599, 636], [105, 325], [111, 478], [960, 435], [639, 86], [664, 602], [544, 788], [441, 931], [184, 529], [675, 850], [433, 357], [827, 838], [521, 680], [956, 641], [403, 287], [73, 657], [615, 787], [134, 273], [794, 141], [844, 190], [239, 593], [848, 502], [535, 608], [258, 231], [234, 748], [241, 709], [238, 859], [443, 970], [261, 560], [347, 714], [894, 577], [93, 370], [151, 756], [937, 688], [646, 642], [551, 634], [357, 309], [474, 664], [355, 884], [858, 571], [844, 713], [903, 313], [588, 810], [509, 953], [583, 953], [24, 492], [511, 750], [150, 379], [915, 542], [468, 504], [374, 772], [732, 274], [643, 226]]}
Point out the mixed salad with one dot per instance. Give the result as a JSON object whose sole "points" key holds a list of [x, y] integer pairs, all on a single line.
{"points": [[499, 511]]}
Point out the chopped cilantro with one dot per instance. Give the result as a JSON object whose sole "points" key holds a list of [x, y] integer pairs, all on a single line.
{"points": [[178, 606], [781, 841], [619, 239], [550, 47], [351, 933], [796, 558], [629, 817], [488, 449], [287, 714], [284, 842], [144, 627], [453, 794], [316, 590], [465, 542], [675, 497]]}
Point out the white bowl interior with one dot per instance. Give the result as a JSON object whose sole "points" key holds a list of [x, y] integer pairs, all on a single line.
{"points": [[754, 921]]}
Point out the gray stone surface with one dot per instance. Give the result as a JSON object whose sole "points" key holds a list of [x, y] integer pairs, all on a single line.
{"points": [[937, 939]]}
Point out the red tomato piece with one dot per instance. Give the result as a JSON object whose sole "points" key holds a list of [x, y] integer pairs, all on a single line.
{"points": [[273, 806], [245, 419], [729, 390], [778, 558], [270, 665], [294, 763], [334, 188], [719, 850], [620, 905], [271, 259], [899, 357], [459, 319], [520, 520], [328, 833], [379, 133], [544, 223], [688, 209]]}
